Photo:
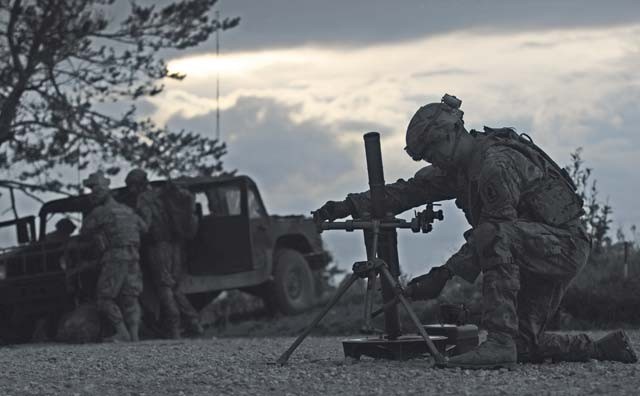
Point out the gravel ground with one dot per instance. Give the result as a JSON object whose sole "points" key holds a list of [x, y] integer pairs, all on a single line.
{"points": [[221, 366]]}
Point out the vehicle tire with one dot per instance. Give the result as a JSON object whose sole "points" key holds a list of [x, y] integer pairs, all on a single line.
{"points": [[293, 285]]}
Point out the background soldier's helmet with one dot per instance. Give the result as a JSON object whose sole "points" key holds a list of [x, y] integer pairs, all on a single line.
{"points": [[96, 180], [65, 226], [136, 176], [446, 114], [99, 186]]}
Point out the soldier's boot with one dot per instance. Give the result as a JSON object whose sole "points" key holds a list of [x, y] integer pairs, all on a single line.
{"points": [[194, 327], [498, 351], [171, 327], [111, 310], [499, 295], [172, 330], [615, 346], [132, 315], [557, 347], [134, 331], [170, 313], [121, 335]]}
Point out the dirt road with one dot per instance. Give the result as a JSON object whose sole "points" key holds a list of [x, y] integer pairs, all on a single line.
{"points": [[239, 366]]}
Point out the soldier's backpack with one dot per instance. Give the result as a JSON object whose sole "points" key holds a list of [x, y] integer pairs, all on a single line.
{"points": [[180, 205], [551, 199]]}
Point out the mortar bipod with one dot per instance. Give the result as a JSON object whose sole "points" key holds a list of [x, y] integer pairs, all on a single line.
{"points": [[369, 269]]}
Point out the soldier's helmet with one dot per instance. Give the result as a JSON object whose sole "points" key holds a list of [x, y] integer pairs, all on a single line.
{"points": [[445, 115], [65, 226], [96, 180], [99, 186], [136, 177]]}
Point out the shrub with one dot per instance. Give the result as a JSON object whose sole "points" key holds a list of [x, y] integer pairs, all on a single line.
{"points": [[600, 295]]}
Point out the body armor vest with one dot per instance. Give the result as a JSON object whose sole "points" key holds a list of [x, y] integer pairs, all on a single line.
{"points": [[551, 199]]}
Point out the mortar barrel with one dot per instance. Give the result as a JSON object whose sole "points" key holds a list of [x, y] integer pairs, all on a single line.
{"points": [[387, 241], [375, 170]]}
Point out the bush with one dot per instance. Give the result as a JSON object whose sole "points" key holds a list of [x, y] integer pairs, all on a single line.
{"points": [[600, 295]]}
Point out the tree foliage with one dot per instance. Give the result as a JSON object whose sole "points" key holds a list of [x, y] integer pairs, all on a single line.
{"points": [[597, 217], [70, 80]]}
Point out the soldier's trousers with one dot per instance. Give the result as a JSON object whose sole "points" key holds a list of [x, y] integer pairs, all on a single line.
{"points": [[166, 267], [527, 269], [119, 285]]}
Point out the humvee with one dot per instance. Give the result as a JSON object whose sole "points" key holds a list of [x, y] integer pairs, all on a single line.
{"points": [[238, 246]]}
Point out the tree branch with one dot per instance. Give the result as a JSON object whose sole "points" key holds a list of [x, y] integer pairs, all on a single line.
{"points": [[5, 183], [15, 51]]}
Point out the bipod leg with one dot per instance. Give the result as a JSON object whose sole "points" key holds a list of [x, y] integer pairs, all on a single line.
{"points": [[414, 318], [368, 302], [282, 360]]}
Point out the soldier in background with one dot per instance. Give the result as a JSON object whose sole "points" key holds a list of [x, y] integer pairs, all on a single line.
{"points": [[63, 231], [526, 237], [116, 230], [170, 213]]}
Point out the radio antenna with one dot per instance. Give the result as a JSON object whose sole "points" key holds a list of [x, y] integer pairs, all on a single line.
{"points": [[218, 76]]}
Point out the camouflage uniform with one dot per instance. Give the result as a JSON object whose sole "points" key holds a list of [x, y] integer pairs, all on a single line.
{"points": [[165, 253], [527, 264], [120, 280]]}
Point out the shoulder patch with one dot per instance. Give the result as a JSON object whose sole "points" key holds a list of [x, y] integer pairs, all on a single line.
{"points": [[490, 193]]}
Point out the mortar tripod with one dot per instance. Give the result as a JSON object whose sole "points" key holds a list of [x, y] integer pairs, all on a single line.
{"points": [[371, 269]]}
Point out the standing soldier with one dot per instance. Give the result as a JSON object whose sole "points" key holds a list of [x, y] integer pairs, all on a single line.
{"points": [[169, 229], [116, 230], [526, 237]]}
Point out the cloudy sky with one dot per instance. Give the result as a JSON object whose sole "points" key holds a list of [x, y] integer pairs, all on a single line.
{"points": [[301, 81]]}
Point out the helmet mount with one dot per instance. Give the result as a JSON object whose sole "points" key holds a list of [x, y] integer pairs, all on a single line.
{"points": [[446, 114]]}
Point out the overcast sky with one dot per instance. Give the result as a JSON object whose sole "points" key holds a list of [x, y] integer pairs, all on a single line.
{"points": [[301, 81]]}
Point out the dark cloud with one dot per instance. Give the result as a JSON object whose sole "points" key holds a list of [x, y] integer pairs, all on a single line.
{"points": [[283, 23], [265, 143], [288, 160]]}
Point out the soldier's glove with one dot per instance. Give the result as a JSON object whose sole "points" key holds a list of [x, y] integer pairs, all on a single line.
{"points": [[332, 210], [428, 286]]}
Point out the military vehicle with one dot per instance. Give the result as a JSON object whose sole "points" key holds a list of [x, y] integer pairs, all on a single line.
{"points": [[238, 246]]}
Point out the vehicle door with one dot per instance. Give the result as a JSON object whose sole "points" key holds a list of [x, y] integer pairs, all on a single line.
{"points": [[223, 244], [259, 223]]}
